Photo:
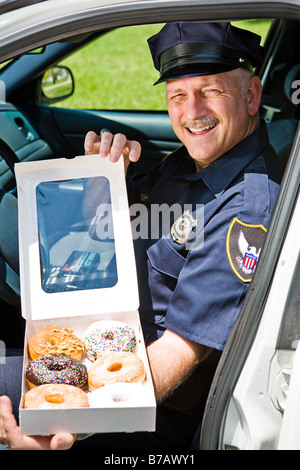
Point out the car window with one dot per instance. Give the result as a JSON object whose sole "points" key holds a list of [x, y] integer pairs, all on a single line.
{"points": [[116, 71]]}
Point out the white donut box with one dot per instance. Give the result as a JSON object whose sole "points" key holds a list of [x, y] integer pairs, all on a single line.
{"points": [[78, 304]]}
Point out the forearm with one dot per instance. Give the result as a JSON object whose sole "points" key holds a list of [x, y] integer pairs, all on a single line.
{"points": [[172, 359]]}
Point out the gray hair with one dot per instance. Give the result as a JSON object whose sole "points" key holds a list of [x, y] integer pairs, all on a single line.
{"points": [[243, 76]]}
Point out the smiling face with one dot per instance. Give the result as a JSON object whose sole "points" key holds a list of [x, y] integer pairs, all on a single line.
{"points": [[211, 114]]}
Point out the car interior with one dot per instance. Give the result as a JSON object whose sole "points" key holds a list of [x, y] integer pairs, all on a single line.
{"points": [[32, 129]]}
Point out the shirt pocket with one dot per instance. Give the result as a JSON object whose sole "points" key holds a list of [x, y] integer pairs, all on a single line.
{"points": [[164, 265], [164, 259]]}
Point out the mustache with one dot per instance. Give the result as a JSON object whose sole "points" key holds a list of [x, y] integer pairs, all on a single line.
{"points": [[201, 122]]}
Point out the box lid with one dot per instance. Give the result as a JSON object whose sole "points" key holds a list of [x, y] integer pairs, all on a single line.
{"points": [[75, 240]]}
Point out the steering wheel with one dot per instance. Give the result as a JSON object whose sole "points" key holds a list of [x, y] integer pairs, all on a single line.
{"points": [[7, 153]]}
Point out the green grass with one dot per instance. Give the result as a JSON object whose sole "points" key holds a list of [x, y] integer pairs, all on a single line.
{"points": [[116, 71], [260, 27]]}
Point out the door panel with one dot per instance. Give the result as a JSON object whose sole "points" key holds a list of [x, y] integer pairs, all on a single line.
{"points": [[152, 129]]}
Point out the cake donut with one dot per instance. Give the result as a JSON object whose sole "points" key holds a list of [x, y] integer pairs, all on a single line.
{"points": [[116, 367], [56, 369], [55, 341], [55, 396], [108, 336]]}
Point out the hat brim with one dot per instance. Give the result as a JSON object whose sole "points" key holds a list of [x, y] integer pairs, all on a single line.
{"points": [[192, 59], [194, 71]]}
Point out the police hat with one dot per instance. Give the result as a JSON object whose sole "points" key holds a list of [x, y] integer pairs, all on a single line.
{"points": [[191, 49]]}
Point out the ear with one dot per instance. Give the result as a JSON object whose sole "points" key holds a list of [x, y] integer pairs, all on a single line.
{"points": [[254, 93]]}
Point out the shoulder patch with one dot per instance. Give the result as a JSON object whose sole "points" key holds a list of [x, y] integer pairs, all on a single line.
{"points": [[243, 246]]}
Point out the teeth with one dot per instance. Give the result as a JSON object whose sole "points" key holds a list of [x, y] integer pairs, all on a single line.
{"points": [[201, 129]]}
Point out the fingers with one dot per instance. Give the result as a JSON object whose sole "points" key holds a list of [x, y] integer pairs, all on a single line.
{"points": [[10, 433], [134, 150], [3, 434], [112, 146], [62, 441], [91, 143]]}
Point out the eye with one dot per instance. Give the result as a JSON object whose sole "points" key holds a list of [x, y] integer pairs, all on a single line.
{"points": [[178, 97], [212, 92]]}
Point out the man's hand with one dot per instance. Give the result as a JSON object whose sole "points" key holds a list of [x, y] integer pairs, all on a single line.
{"points": [[112, 146], [10, 433]]}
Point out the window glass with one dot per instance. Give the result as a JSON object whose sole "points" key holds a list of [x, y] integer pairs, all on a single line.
{"points": [[116, 71], [76, 239]]}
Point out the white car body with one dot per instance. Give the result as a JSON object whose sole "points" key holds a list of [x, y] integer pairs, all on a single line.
{"points": [[259, 406]]}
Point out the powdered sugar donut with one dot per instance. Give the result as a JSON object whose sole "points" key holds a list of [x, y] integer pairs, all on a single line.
{"points": [[108, 336], [120, 394]]}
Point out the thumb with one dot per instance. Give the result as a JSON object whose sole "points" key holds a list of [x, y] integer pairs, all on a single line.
{"points": [[62, 441]]}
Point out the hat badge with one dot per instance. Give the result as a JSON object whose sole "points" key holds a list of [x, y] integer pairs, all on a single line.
{"points": [[183, 227]]}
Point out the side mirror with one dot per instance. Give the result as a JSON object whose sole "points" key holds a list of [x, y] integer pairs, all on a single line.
{"points": [[57, 84]]}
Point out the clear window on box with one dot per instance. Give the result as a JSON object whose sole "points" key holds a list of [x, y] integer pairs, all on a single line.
{"points": [[76, 238]]}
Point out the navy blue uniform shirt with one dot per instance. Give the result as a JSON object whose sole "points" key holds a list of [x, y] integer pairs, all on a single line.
{"points": [[196, 288]]}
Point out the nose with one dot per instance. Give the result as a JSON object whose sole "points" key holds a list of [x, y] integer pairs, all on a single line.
{"points": [[196, 107]]}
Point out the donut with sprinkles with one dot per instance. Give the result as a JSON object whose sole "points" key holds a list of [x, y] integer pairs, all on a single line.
{"points": [[109, 336], [56, 370]]}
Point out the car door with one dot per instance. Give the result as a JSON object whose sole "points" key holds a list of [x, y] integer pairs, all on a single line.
{"points": [[152, 130], [254, 400]]}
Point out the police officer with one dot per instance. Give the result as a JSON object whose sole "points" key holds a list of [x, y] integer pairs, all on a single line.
{"points": [[194, 276]]}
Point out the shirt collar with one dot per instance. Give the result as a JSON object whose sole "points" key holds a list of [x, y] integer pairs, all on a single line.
{"points": [[220, 173]]}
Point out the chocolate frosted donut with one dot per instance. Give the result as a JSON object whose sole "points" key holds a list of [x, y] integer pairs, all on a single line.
{"points": [[56, 370]]}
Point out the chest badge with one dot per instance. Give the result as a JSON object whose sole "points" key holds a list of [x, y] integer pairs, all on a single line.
{"points": [[243, 245], [183, 227]]}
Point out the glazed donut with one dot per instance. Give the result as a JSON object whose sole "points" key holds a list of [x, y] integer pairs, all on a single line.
{"points": [[55, 396], [55, 341], [108, 336], [56, 370], [116, 367]]}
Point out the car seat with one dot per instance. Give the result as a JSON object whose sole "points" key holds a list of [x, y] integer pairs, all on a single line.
{"points": [[281, 135], [282, 131], [9, 253]]}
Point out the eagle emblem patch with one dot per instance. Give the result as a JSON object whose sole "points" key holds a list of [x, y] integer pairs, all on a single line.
{"points": [[243, 246]]}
